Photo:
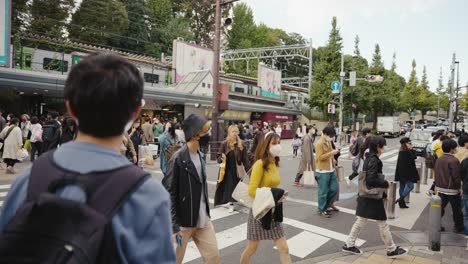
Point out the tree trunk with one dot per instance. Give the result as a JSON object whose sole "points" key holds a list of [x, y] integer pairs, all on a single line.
{"points": [[374, 126]]}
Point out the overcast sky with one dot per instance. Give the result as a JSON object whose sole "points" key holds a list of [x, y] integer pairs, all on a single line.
{"points": [[429, 31]]}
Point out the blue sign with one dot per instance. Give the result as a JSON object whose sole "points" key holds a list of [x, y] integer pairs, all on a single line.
{"points": [[336, 86], [412, 114]]}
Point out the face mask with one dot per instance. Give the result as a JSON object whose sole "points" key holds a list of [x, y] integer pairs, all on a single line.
{"points": [[205, 137], [128, 126], [275, 150]]}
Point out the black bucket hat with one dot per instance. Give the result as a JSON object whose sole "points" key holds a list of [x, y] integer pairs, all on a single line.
{"points": [[193, 125], [405, 140]]}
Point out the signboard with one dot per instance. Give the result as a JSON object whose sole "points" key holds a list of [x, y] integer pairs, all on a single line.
{"points": [[5, 28], [269, 80], [352, 78], [336, 86], [188, 57], [331, 108]]}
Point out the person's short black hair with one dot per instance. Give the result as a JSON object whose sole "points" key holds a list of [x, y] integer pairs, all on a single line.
{"points": [[53, 114], [104, 90], [463, 140], [14, 121], [308, 128], [376, 142], [366, 131], [147, 119], [448, 145], [34, 120], [329, 131]]}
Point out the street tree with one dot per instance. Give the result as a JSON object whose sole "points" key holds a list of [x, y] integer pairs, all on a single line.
{"points": [[442, 95], [410, 92], [19, 15], [49, 16], [136, 36], [327, 68], [243, 28], [99, 22]]}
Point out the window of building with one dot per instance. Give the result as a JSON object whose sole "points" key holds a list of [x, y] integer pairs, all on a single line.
{"points": [[55, 65], [151, 78], [203, 85], [209, 86], [239, 90], [28, 60]]}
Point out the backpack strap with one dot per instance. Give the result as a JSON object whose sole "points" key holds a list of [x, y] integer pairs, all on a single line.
{"points": [[105, 191]]}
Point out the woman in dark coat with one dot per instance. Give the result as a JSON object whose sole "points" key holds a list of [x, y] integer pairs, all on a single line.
{"points": [[232, 152], [137, 136], [69, 131], [406, 172], [368, 208]]}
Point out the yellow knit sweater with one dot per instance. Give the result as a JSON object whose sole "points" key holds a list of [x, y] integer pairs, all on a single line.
{"points": [[260, 178]]}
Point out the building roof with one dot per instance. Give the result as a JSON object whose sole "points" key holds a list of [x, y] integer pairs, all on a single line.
{"points": [[91, 48], [192, 81]]}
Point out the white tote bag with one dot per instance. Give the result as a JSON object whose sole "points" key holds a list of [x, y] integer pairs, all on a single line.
{"points": [[309, 177], [241, 194]]}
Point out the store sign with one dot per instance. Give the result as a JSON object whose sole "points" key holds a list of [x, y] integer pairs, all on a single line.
{"points": [[5, 27], [282, 117], [188, 57]]}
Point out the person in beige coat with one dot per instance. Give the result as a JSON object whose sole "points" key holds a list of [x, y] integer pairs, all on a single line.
{"points": [[148, 130], [13, 142], [307, 158]]}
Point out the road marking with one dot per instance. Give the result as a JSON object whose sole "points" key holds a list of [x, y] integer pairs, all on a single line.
{"points": [[305, 243], [389, 153], [5, 186], [320, 231], [392, 159], [342, 209], [225, 239], [3, 194], [220, 212]]}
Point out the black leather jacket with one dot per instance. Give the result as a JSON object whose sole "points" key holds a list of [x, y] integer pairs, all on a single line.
{"points": [[373, 167], [185, 188]]}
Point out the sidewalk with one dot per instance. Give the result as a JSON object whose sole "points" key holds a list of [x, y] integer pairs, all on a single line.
{"points": [[377, 255]]}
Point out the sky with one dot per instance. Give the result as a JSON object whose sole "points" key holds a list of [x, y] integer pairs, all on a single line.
{"points": [[429, 31]]}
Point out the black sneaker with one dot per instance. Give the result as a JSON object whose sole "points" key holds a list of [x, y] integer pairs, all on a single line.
{"points": [[398, 252], [351, 250]]}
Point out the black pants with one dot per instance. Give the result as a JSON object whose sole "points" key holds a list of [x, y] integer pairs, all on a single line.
{"points": [[36, 148], [456, 203], [10, 162]]}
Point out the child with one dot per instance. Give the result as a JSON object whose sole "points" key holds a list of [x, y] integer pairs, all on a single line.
{"points": [[296, 143]]}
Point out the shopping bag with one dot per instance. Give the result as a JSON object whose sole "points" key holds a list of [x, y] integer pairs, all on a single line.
{"points": [[241, 194], [27, 145], [22, 154], [309, 177]]}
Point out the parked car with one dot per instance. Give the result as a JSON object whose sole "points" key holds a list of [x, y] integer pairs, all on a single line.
{"points": [[405, 129], [421, 139]]}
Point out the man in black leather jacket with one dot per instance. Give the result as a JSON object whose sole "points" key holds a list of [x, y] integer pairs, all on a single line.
{"points": [[186, 182]]}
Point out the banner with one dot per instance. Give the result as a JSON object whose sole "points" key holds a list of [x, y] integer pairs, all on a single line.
{"points": [[189, 58], [5, 28], [269, 80]]}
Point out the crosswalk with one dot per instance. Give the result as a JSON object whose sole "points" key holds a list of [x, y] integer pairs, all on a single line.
{"points": [[306, 238], [4, 188], [389, 156]]}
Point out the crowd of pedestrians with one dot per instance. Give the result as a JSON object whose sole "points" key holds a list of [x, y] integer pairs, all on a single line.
{"points": [[83, 169]]}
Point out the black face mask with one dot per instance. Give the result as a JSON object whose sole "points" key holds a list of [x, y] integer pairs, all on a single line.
{"points": [[205, 138]]}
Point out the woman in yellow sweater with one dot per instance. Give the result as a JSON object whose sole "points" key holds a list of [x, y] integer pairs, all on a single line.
{"points": [[265, 174]]}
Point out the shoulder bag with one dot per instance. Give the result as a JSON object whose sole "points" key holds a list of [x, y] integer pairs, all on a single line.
{"points": [[365, 192]]}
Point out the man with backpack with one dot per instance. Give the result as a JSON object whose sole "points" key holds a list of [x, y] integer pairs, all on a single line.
{"points": [[185, 179], [85, 202], [51, 132], [356, 151]]}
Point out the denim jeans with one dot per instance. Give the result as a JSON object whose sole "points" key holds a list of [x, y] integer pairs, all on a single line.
{"points": [[328, 187], [465, 206], [405, 188]]}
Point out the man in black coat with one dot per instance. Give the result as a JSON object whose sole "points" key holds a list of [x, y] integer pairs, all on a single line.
{"points": [[185, 180], [406, 172]]}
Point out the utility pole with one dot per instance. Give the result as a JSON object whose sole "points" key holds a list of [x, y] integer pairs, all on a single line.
{"points": [[452, 84], [342, 76], [311, 51], [215, 133], [456, 95]]}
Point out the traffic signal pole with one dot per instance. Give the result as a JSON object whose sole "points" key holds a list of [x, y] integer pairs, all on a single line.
{"points": [[451, 96], [342, 76]]}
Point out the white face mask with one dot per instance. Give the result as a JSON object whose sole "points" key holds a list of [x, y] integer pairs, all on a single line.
{"points": [[275, 150]]}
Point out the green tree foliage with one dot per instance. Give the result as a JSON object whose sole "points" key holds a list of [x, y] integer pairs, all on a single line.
{"points": [[243, 28], [48, 16], [136, 37], [426, 100], [442, 95], [19, 13], [327, 68], [410, 92], [100, 22]]}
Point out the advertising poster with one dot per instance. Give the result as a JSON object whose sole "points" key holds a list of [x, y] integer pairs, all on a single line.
{"points": [[269, 80], [189, 58]]}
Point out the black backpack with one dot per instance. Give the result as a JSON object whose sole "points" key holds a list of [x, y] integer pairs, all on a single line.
{"points": [[48, 133], [51, 229]]}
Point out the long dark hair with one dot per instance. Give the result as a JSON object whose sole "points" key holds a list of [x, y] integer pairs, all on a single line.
{"points": [[404, 147], [171, 130], [263, 149]]}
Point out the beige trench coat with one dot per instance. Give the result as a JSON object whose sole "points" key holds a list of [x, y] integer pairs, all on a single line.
{"points": [[13, 143], [307, 157]]}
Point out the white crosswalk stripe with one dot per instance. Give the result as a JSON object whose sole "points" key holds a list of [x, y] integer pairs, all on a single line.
{"points": [[390, 156], [4, 188], [314, 235]]}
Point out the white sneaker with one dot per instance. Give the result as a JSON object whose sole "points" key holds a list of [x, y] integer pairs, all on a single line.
{"points": [[348, 181], [231, 208]]}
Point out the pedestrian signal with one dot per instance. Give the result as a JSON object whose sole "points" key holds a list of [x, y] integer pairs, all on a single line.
{"points": [[374, 78]]}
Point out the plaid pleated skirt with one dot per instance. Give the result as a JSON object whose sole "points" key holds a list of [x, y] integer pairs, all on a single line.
{"points": [[255, 230]]}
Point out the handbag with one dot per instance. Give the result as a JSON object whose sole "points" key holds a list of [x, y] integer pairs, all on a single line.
{"points": [[309, 177], [241, 194], [240, 169], [22, 154], [373, 193]]}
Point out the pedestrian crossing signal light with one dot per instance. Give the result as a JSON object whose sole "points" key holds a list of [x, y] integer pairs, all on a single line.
{"points": [[331, 108], [374, 78]]}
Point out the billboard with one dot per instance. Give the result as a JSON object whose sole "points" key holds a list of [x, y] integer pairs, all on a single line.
{"points": [[5, 27], [269, 80], [189, 58]]}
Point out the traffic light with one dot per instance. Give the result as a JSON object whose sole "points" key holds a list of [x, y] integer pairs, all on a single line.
{"points": [[331, 108], [374, 78]]}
